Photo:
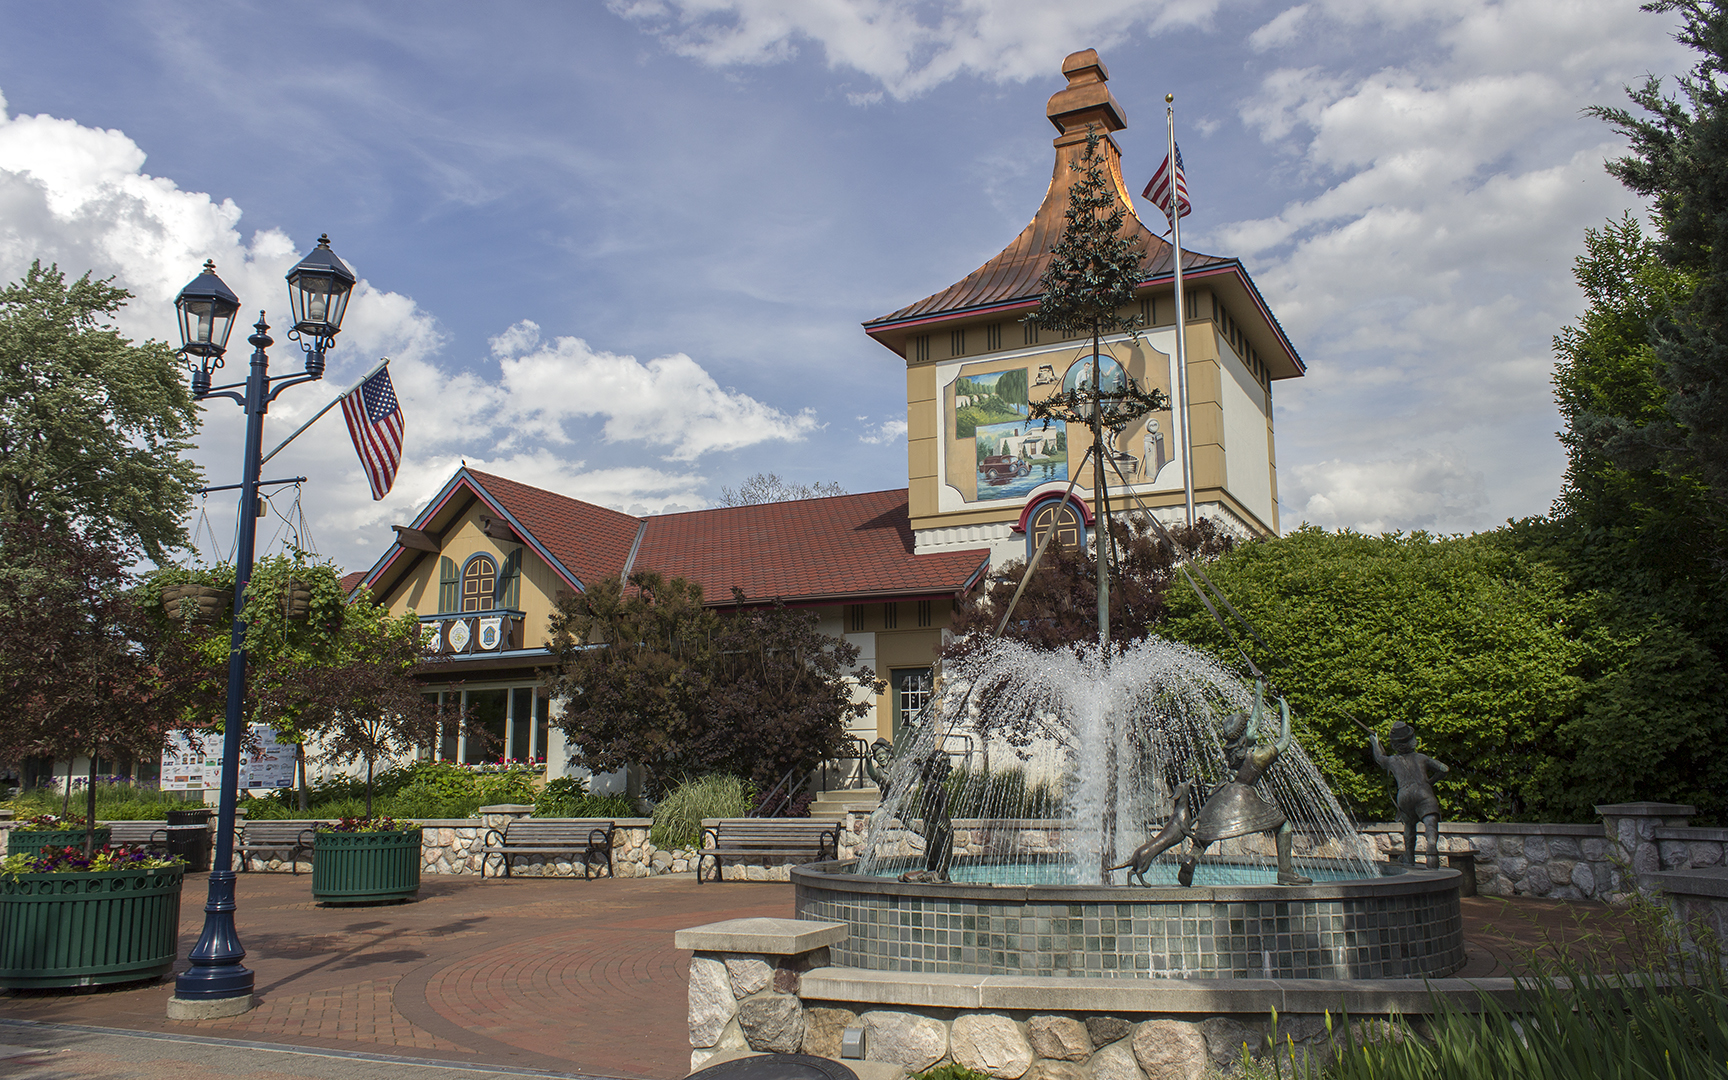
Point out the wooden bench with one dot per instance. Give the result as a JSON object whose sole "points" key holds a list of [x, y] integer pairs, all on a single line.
{"points": [[761, 838], [146, 834], [290, 836], [554, 836]]}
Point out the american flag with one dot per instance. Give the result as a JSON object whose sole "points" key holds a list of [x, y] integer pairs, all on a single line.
{"points": [[1158, 189], [375, 421]]}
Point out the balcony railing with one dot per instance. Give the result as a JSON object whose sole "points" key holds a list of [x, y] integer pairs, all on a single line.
{"points": [[473, 633]]}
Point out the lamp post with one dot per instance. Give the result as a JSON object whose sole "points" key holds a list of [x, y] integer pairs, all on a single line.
{"points": [[217, 983]]}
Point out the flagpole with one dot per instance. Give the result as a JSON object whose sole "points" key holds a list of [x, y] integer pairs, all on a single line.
{"points": [[1181, 318], [335, 402]]}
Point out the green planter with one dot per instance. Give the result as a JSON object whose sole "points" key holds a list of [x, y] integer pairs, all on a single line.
{"points": [[30, 841], [88, 929], [365, 867]]}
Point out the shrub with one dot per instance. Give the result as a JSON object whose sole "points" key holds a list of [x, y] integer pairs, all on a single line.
{"points": [[678, 817], [1001, 793], [568, 796]]}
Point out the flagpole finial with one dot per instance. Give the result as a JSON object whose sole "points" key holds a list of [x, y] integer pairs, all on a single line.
{"points": [[1168, 98]]}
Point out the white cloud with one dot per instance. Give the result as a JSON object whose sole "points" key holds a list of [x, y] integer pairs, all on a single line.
{"points": [[885, 432], [80, 197], [1425, 263], [1280, 30], [669, 401], [1416, 491], [906, 46]]}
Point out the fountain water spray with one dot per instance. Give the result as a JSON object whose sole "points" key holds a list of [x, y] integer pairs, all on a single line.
{"points": [[1063, 748]]}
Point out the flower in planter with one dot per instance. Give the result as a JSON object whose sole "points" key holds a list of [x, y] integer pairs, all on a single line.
{"points": [[51, 823], [366, 825], [72, 860]]}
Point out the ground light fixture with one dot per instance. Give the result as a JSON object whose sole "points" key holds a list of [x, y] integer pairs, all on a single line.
{"points": [[218, 983]]}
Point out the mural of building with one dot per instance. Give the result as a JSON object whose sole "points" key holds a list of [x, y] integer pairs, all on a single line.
{"points": [[980, 475], [485, 564]]}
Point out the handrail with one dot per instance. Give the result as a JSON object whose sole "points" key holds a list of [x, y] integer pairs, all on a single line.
{"points": [[767, 807]]}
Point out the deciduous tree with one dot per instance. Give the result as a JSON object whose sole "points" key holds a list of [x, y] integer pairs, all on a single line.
{"points": [[93, 428]]}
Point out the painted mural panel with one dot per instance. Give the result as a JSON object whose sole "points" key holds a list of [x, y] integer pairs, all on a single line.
{"points": [[993, 452]]}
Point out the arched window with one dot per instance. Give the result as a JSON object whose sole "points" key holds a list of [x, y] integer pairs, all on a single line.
{"points": [[479, 583], [1064, 517]]}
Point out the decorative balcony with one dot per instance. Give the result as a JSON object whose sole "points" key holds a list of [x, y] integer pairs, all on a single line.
{"points": [[473, 633]]}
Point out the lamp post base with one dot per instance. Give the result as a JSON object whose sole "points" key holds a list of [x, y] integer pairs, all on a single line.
{"points": [[217, 975], [180, 1008]]}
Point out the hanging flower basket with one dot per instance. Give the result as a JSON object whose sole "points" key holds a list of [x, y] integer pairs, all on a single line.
{"points": [[297, 599], [365, 862], [204, 604], [89, 927]]}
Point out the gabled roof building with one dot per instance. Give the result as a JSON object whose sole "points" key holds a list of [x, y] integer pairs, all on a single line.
{"points": [[485, 563]]}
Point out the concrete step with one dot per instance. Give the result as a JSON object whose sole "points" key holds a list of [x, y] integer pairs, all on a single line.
{"points": [[835, 803]]}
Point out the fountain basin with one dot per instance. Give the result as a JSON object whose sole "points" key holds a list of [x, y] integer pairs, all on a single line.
{"points": [[1406, 923]]}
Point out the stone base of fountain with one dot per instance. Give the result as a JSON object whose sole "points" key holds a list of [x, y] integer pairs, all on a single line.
{"points": [[1405, 924]]}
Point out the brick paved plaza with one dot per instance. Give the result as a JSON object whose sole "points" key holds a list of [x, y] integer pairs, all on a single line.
{"points": [[561, 975]]}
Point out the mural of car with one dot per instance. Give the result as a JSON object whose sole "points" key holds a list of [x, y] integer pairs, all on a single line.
{"points": [[1002, 468]]}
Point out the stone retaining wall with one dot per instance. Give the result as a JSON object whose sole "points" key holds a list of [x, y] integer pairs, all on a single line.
{"points": [[452, 846], [764, 985]]}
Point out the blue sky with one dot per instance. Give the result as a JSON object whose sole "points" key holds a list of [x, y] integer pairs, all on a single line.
{"points": [[623, 249]]}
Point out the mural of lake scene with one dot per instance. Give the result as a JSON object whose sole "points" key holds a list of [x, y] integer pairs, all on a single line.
{"points": [[1014, 458]]}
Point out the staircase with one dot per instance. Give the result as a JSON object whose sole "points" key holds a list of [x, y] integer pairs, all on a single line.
{"points": [[832, 804]]}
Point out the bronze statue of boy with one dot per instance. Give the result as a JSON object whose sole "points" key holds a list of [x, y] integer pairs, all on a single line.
{"points": [[1415, 774]]}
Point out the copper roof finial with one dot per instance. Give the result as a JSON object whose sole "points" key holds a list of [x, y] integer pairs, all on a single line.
{"points": [[1085, 100]]}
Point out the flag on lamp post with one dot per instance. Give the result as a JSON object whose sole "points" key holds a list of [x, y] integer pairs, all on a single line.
{"points": [[375, 422], [1166, 179]]}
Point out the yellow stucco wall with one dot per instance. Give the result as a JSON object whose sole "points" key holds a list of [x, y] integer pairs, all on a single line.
{"points": [[541, 585]]}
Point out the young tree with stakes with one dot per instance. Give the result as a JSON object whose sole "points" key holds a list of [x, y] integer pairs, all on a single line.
{"points": [[366, 706], [83, 669], [1093, 272]]}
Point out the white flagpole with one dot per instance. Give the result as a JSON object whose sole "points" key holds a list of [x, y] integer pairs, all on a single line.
{"points": [[338, 400], [1181, 318]]}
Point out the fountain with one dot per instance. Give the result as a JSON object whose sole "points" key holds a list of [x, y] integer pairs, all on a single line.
{"points": [[1031, 874]]}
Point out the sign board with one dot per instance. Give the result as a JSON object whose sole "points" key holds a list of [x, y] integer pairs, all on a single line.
{"points": [[196, 766]]}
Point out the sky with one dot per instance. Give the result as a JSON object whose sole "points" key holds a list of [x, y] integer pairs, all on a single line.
{"points": [[622, 250]]}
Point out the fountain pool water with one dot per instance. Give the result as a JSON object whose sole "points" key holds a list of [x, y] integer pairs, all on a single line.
{"points": [[1069, 763]]}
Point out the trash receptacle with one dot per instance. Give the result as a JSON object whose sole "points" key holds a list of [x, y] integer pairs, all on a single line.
{"points": [[189, 838]]}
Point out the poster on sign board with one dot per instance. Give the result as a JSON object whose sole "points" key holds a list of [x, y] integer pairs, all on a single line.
{"points": [[196, 765]]}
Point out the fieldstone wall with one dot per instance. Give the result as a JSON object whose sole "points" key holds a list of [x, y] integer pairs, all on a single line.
{"points": [[973, 837], [1560, 862], [758, 1001], [453, 846], [1698, 900]]}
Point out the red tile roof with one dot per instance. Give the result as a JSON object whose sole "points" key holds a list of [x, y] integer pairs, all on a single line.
{"points": [[848, 547], [591, 541]]}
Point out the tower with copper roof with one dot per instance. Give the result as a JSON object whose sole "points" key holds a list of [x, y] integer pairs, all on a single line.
{"points": [[980, 472]]}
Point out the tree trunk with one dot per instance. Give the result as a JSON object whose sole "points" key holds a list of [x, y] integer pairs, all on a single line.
{"points": [[368, 787], [66, 796], [305, 787], [90, 806]]}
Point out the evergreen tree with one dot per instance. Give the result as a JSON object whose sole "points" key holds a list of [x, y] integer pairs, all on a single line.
{"points": [[1094, 267], [1679, 160]]}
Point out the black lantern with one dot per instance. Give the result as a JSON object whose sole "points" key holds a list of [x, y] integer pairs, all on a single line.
{"points": [[207, 308], [318, 289]]}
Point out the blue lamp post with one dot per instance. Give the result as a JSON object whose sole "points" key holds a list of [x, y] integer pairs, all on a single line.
{"points": [[218, 983]]}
